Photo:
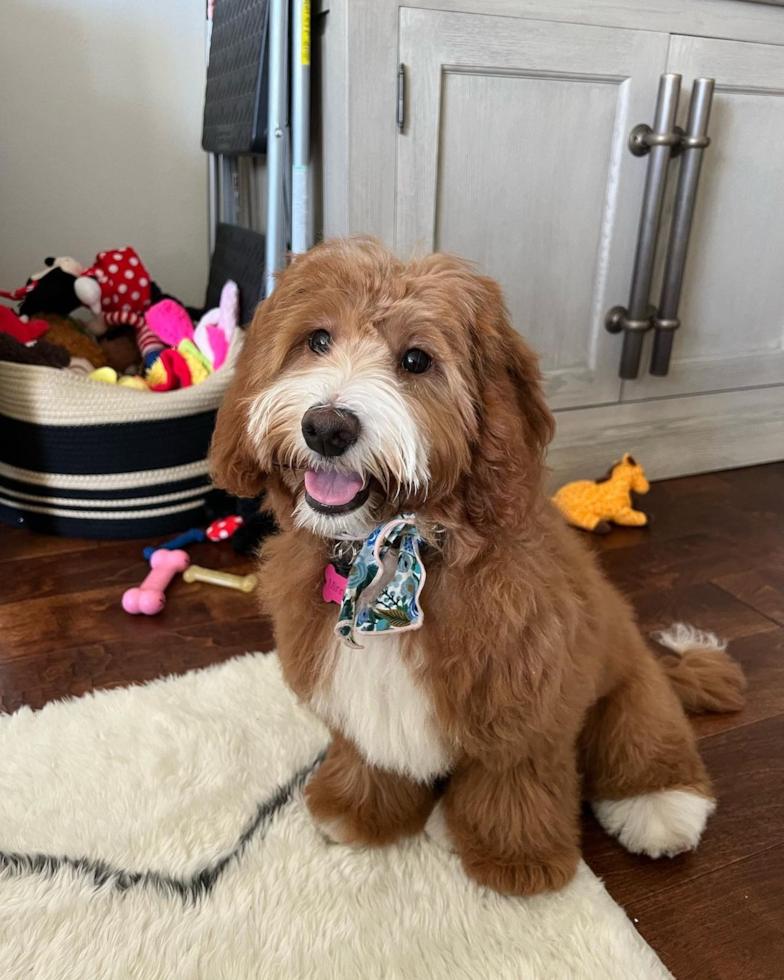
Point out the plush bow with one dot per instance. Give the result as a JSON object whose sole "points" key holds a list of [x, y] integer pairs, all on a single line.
{"points": [[371, 604]]}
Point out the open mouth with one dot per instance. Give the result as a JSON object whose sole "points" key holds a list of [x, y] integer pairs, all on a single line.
{"points": [[331, 492]]}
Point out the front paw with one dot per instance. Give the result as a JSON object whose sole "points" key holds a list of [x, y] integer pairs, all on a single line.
{"points": [[336, 830], [357, 804], [355, 826], [522, 875], [335, 822], [437, 830]]}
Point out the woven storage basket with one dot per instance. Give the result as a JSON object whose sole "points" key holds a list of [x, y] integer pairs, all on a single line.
{"points": [[91, 460]]}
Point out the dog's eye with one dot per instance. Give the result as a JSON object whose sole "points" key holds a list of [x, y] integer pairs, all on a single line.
{"points": [[416, 361], [320, 341]]}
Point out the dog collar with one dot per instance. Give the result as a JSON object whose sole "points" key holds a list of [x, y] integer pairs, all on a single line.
{"points": [[375, 602]]}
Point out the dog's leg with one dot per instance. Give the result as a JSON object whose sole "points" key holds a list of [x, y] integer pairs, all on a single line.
{"points": [[643, 774], [516, 829], [355, 803]]}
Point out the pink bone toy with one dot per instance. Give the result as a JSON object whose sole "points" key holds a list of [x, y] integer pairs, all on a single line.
{"points": [[149, 597]]}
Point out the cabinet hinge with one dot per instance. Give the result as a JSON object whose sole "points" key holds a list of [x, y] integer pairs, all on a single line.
{"points": [[401, 96]]}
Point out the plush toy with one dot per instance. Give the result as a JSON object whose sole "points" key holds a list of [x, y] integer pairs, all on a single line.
{"points": [[215, 329], [65, 262], [78, 366], [21, 328], [51, 290], [66, 332], [37, 352], [169, 320], [223, 528], [198, 364], [178, 367], [121, 350], [257, 524], [593, 504], [169, 372], [109, 376], [149, 344], [116, 287], [133, 320], [105, 375], [136, 382], [206, 347]]}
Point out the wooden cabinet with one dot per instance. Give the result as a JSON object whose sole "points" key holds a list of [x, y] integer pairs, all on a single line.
{"points": [[512, 155], [732, 309], [512, 151]]}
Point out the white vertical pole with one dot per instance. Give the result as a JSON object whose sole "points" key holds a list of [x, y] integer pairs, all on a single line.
{"points": [[300, 127], [276, 137]]}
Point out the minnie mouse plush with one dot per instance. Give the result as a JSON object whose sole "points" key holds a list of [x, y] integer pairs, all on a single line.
{"points": [[116, 286], [51, 290]]}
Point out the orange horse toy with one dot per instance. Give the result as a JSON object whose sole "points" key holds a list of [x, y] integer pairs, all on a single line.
{"points": [[594, 504]]}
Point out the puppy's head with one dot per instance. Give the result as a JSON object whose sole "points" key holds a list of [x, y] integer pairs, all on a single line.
{"points": [[368, 387]]}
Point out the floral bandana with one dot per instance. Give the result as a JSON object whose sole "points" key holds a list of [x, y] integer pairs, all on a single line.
{"points": [[394, 606]]}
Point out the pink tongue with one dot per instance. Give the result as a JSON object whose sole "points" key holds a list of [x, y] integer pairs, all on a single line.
{"points": [[333, 489]]}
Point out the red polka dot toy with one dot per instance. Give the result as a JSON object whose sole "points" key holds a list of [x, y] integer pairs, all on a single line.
{"points": [[116, 286], [224, 528]]}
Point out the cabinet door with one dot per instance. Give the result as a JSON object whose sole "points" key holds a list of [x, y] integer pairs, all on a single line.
{"points": [[514, 154], [732, 306]]}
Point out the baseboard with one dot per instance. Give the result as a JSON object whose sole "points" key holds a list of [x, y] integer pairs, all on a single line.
{"points": [[671, 436]]}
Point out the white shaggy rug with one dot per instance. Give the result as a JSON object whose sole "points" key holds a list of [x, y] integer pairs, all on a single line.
{"points": [[158, 833]]}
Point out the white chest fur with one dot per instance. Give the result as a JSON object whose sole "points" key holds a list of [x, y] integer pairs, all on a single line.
{"points": [[372, 698]]}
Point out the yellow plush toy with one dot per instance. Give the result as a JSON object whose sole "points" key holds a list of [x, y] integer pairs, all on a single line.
{"points": [[110, 377], [593, 504]]}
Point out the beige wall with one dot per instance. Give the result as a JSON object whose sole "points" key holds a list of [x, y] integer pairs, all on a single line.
{"points": [[100, 128]]}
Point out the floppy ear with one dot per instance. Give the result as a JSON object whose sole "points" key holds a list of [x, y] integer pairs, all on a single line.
{"points": [[234, 466], [523, 370], [515, 424], [235, 462]]}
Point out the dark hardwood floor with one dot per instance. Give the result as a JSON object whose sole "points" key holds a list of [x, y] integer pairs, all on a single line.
{"points": [[714, 557]]}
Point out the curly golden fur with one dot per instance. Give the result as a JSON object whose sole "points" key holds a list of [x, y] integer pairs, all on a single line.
{"points": [[530, 675]]}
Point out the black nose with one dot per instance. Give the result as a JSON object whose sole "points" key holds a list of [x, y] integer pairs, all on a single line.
{"points": [[330, 431]]}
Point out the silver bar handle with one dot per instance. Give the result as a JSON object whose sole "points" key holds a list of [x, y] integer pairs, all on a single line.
{"points": [[695, 140], [277, 135], [659, 143], [301, 237]]}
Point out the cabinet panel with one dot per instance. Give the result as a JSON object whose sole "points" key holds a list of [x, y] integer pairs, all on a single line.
{"points": [[732, 309], [515, 174], [514, 155]]}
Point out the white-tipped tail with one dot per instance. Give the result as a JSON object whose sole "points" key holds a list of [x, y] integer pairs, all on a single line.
{"points": [[681, 637], [700, 670]]}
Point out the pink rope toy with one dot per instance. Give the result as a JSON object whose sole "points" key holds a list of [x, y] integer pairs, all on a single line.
{"points": [[149, 598]]}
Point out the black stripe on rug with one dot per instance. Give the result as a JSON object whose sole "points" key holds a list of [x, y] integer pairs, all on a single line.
{"points": [[191, 889]]}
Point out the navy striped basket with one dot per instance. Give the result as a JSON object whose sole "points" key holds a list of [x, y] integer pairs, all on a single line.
{"points": [[91, 460]]}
